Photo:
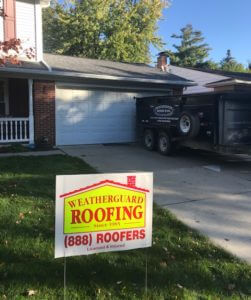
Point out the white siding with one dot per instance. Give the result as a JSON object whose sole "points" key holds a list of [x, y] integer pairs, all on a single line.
{"points": [[25, 22]]}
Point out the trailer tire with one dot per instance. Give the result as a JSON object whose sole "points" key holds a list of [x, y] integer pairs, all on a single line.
{"points": [[149, 139], [164, 143], [189, 124]]}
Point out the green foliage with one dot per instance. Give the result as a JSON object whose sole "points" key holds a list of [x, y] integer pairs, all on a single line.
{"points": [[229, 63], [209, 64], [104, 29], [191, 51]]}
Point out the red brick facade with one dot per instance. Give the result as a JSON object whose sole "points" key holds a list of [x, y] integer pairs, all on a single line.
{"points": [[44, 112]]}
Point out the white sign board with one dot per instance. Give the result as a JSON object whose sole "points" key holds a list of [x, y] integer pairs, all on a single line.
{"points": [[103, 212]]}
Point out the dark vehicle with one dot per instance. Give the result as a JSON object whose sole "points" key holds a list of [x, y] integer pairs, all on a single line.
{"points": [[215, 121]]}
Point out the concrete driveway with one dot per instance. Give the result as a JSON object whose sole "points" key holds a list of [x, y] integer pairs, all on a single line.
{"points": [[208, 192]]}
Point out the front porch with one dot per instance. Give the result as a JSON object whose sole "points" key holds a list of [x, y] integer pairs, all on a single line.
{"points": [[16, 111]]}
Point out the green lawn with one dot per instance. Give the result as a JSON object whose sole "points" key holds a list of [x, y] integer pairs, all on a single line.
{"points": [[181, 264]]}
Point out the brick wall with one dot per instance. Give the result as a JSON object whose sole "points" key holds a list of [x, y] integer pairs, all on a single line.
{"points": [[44, 111]]}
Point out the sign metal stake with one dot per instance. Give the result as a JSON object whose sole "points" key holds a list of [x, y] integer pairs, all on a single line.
{"points": [[146, 276], [64, 278]]}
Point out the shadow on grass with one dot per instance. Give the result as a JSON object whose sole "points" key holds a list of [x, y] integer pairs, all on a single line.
{"points": [[203, 268]]}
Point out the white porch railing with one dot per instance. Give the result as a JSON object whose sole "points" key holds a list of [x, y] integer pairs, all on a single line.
{"points": [[14, 130]]}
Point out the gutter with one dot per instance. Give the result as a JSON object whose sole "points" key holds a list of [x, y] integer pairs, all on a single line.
{"points": [[93, 76], [45, 3], [230, 82]]}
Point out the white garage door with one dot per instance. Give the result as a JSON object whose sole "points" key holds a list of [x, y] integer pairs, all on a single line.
{"points": [[93, 117]]}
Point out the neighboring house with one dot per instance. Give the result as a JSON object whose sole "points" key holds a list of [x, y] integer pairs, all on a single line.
{"points": [[200, 77], [213, 80], [67, 100], [207, 80]]}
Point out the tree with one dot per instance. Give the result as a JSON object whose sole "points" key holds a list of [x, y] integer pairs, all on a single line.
{"points": [[191, 51], [229, 63], [105, 29], [208, 65]]}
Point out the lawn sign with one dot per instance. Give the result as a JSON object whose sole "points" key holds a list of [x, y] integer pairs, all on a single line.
{"points": [[102, 213]]}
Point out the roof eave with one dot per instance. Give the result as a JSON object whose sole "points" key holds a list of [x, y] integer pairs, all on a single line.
{"points": [[226, 83], [94, 76]]}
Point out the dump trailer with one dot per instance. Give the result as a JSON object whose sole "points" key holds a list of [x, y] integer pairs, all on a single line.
{"points": [[219, 122]]}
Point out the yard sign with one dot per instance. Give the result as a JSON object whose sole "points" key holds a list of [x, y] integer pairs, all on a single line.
{"points": [[102, 213]]}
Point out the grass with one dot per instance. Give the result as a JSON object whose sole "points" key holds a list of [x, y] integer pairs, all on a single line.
{"points": [[17, 148], [181, 264], [14, 148]]}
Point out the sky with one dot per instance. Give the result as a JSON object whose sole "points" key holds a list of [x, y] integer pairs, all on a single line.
{"points": [[225, 24]]}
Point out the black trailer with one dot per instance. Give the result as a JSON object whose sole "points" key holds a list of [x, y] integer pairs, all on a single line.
{"points": [[215, 121]]}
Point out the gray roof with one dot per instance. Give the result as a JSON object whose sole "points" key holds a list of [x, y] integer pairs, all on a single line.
{"points": [[230, 75], [203, 77], [106, 67], [200, 77], [26, 65], [93, 71]]}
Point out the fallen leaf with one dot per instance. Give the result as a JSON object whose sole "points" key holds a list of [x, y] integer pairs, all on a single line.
{"points": [[163, 264], [21, 215], [31, 292]]}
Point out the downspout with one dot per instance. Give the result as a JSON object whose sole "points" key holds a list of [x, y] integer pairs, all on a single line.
{"points": [[46, 65], [31, 114]]}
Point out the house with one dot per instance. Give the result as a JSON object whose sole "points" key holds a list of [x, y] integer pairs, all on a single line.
{"points": [[207, 80], [64, 100]]}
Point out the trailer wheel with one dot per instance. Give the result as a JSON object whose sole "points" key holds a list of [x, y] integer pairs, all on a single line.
{"points": [[164, 143], [149, 139], [189, 124]]}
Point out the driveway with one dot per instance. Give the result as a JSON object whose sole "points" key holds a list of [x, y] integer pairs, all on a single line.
{"points": [[208, 192]]}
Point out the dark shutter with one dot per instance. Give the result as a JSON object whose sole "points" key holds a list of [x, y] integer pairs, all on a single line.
{"points": [[9, 19]]}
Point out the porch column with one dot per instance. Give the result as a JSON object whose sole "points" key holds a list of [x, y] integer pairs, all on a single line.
{"points": [[31, 115]]}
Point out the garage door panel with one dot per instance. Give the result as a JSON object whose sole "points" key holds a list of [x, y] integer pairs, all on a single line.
{"points": [[92, 138], [101, 125], [90, 117]]}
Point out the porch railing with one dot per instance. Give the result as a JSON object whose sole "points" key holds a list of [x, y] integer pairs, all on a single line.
{"points": [[14, 130]]}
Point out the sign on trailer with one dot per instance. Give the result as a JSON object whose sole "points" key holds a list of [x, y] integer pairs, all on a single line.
{"points": [[102, 213]]}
